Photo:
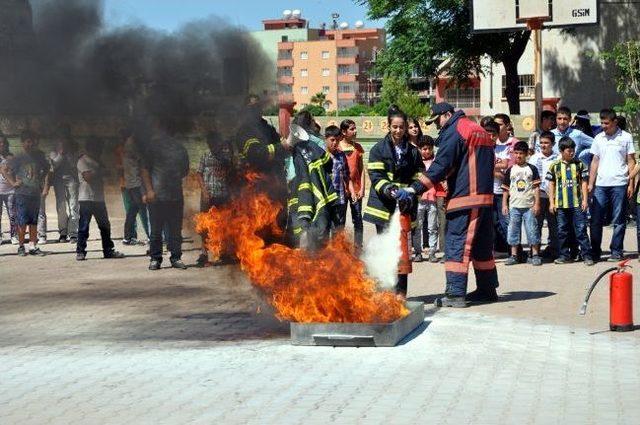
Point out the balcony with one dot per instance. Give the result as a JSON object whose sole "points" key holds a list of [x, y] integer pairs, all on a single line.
{"points": [[346, 96], [347, 60], [285, 79], [347, 78], [285, 45], [285, 63], [346, 43]]}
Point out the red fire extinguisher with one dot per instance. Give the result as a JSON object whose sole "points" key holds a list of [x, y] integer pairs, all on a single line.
{"points": [[620, 297]]}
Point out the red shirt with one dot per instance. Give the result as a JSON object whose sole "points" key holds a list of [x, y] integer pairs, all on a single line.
{"points": [[355, 159]]}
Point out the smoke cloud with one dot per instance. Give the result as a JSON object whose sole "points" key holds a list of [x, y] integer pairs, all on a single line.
{"points": [[382, 254], [76, 66]]}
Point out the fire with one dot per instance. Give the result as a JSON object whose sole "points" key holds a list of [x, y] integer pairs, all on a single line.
{"points": [[326, 286]]}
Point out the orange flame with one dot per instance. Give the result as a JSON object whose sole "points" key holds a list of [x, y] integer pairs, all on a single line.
{"points": [[326, 286]]}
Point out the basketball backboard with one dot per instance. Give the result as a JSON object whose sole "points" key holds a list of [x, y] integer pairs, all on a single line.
{"points": [[512, 15]]}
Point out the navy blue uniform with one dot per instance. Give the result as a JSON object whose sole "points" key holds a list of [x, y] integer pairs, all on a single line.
{"points": [[465, 158]]}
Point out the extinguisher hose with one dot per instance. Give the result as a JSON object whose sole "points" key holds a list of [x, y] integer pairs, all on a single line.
{"points": [[583, 308]]}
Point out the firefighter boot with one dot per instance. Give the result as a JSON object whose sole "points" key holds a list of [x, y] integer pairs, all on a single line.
{"points": [[483, 295]]}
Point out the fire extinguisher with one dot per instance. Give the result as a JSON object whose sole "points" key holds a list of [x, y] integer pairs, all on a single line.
{"points": [[620, 297]]}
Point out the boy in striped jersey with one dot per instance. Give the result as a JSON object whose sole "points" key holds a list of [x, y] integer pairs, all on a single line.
{"points": [[568, 180]]}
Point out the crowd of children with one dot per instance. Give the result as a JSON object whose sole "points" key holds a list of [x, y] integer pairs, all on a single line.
{"points": [[562, 178]]}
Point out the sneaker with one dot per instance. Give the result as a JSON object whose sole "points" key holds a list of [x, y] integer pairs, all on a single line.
{"points": [[37, 252], [202, 260], [126, 241], [453, 302], [42, 241], [132, 241], [178, 264], [14, 241], [561, 260], [418, 258], [512, 260], [22, 252], [155, 265], [62, 239], [588, 262], [536, 260], [73, 239], [615, 258], [483, 295], [114, 254], [81, 256], [432, 257]]}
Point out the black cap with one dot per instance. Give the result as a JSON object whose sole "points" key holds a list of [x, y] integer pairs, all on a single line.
{"points": [[439, 109]]}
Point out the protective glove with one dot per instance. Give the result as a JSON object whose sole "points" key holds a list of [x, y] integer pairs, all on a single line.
{"points": [[390, 191], [403, 195]]}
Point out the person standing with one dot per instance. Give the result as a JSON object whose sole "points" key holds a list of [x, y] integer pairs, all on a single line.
{"points": [[92, 204], [504, 159], [133, 192], [613, 159], [355, 158], [166, 163], [563, 128], [340, 179], [7, 191], [29, 174], [427, 209], [64, 159], [466, 159], [547, 122], [42, 212]]}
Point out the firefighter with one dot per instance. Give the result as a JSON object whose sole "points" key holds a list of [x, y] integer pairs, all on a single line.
{"points": [[395, 167], [311, 192], [465, 158]]}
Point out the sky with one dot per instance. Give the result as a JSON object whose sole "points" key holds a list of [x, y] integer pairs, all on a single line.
{"points": [[171, 14]]}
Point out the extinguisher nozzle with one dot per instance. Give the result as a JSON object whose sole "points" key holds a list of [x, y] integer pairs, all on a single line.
{"points": [[583, 309]]}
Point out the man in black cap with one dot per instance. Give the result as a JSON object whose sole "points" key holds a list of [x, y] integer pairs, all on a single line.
{"points": [[465, 158]]}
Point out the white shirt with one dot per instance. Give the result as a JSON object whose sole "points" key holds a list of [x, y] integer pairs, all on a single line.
{"points": [[503, 151], [542, 163], [613, 151], [94, 190]]}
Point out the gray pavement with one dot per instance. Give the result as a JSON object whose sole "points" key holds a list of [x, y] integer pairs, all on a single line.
{"points": [[106, 341]]}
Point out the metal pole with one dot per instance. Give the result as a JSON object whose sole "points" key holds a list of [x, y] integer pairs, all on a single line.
{"points": [[537, 74]]}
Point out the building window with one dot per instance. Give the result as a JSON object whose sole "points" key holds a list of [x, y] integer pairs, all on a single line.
{"points": [[304, 72], [304, 90], [344, 88], [325, 72], [526, 85], [325, 89], [463, 97], [325, 54], [304, 55]]}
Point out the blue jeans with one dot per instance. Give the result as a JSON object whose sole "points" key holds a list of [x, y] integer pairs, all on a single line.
{"points": [[358, 226], [516, 217], [501, 225], [573, 218], [603, 196], [98, 210]]}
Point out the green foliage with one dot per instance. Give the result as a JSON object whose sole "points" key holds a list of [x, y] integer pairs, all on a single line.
{"points": [[319, 99], [356, 111], [626, 57], [315, 110], [396, 91]]}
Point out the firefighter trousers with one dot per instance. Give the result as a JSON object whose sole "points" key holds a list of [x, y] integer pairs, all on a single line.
{"points": [[469, 236]]}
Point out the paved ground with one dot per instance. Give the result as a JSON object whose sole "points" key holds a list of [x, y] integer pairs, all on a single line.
{"points": [[107, 341]]}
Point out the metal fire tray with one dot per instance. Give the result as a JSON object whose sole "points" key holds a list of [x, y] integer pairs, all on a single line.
{"points": [[358, 334]]}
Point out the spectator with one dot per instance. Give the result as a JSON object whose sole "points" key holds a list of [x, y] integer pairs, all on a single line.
{"points": [[64, 159], [521, 201], [166, 163], [355, 158], [568, 189], [542, 161], [427, 208], [92, 203], [414, 131], [42, 212], [131, 184], [340, 178], [28, 173], [214, 178], [504, 159], [613, 158], [547, 122], [582, 122], [7, 191], [563, 128]]}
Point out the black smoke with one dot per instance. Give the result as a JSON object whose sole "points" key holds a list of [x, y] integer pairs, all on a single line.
{"points": [[79, 67]]}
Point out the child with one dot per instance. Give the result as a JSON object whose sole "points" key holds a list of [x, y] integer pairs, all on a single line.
{"points": [[92, 203], [426, 205], [355, 158], [340, 178], [213, 178], [542, 160], [521, 202], [568, 191]]}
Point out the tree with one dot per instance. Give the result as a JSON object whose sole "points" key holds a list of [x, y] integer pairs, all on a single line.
{"points": [[315, 110], [396, 91], [319, 99], [426, 31], [626, 57]]}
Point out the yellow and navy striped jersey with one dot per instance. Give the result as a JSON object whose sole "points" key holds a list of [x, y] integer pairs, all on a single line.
{"points": [[568, 178]]}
